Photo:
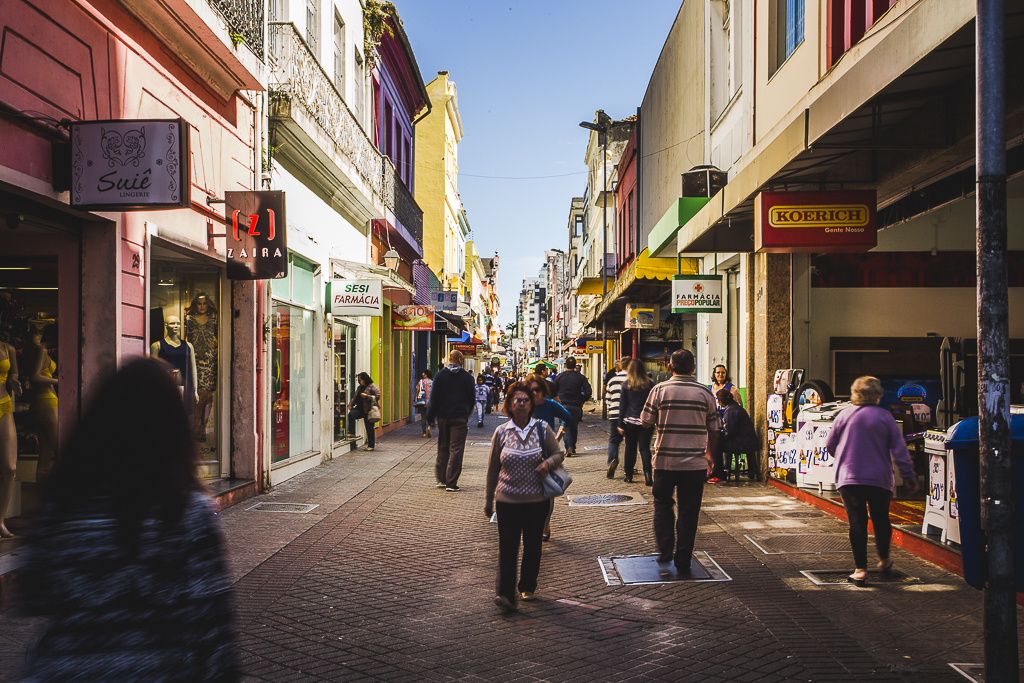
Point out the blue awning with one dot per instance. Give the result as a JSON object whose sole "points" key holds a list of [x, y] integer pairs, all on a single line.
{"points": [[464, 339]]}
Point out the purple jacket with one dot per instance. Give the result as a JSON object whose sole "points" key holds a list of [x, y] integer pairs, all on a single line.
{"points": [[865, 441]]}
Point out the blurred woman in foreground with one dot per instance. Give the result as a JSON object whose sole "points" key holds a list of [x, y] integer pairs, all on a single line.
{"points": [[125, 558]]}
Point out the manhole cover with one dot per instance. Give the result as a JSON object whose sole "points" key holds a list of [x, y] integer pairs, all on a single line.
{"points": [[480, 443], [828, 577], [299, 508], [606, 499], [628, 570], [786, 544], [798, 514]]}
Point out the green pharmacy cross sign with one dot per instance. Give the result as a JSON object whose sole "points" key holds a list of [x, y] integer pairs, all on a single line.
{"points": [[696, 293]]}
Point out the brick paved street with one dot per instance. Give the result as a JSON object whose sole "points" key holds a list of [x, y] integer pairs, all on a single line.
{"points": [[391, 579]]}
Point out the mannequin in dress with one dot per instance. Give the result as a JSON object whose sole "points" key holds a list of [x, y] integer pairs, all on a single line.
{"points": [[10, 388], [201, 333], [182, 357], [43, 403]]}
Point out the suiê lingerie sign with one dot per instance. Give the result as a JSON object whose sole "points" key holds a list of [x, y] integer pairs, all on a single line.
{"points": [[815, 222]]}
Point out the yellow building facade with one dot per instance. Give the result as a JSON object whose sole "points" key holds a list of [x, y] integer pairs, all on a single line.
{"points": [[437, 189]]}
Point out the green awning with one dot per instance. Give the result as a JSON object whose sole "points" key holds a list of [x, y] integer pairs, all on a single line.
{"points": [[663, 234]]}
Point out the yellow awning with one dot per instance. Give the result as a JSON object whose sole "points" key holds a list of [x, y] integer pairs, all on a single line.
{"points": [[647, 268], [590, 285]]}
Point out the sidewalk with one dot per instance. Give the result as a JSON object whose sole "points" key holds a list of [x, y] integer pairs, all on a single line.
{"points": [[391, 579]]}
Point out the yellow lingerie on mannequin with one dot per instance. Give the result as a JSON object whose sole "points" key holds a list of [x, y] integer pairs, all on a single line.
{"points": [[41, 399], [6, 405]]}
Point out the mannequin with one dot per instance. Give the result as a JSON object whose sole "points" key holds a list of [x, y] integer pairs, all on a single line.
{"points": [[10, 388], [43, 403], [182, 357], [201, 332]]}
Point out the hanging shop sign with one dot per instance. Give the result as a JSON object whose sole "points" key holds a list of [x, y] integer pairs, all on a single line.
{"points": [[130, 165], [357, 297], [445, 300], [816, 222], [595, 346], [696, 293], [642, 317], [442, 324], [256, 241], [465, 349], [416, 318]]}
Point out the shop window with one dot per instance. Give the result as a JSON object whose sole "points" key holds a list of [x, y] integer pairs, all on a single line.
{"points": [[185, 331], [303, 285], [785, 31]]}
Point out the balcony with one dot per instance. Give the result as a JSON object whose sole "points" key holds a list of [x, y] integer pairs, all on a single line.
{"points": [[314, 130], [399, 201], [245, 19]]}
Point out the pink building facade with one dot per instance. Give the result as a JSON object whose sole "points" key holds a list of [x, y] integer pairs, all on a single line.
{"points": [[96, 288]]}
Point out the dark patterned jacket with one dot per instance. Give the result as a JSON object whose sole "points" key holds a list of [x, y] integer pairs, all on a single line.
{"points": [[160, 614]]}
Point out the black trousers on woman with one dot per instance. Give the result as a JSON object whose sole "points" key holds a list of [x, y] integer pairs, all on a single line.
{"points": [[515, 521], [636, 436], [859, 500], [358, 414]]}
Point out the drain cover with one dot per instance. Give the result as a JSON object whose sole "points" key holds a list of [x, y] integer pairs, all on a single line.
{"points": [[787, 544], [798, 514], [828, 577], [644, 569], [606, 499], [595, 448], [299, 508]]}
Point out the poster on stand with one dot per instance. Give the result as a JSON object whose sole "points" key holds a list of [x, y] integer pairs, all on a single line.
{"points": [[642, 316]]}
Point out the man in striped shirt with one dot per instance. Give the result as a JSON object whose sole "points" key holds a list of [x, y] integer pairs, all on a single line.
{"points": [[611, 397], [687, 418]]}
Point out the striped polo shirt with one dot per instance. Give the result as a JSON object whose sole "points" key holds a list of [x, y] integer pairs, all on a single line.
{"points": [[611, 394], [684, 411]]}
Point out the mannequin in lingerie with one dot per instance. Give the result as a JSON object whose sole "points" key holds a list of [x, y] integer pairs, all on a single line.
{"points": [[10, 388], [182, 357], [43, 402]]}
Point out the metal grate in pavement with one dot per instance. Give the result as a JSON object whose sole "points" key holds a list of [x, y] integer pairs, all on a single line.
{"points": [[606, 500], [974, 672], [480, 443], [829, 577], [595, 448], [297, 508], [790, 544], [633, 570], [798, 514]]}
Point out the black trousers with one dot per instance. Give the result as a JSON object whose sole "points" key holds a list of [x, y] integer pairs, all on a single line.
{"points": [[859, 500], [515, 521], [637, 436], [572, 429], [675, 537], [358, 414]]}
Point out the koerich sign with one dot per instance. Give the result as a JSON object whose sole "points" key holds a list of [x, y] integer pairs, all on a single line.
{"points": [[696, 293], [357, 297], [815, 222]]}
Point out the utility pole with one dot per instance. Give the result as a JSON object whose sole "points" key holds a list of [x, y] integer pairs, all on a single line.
{"points": [[598, 128], [997, 494]]}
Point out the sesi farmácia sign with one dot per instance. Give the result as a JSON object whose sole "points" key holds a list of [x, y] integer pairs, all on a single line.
{"points": [[357, 298], [696, 293], [130, 164]]}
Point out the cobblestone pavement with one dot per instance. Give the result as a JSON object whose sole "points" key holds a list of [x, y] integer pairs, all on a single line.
{"points": [[391, 579]]}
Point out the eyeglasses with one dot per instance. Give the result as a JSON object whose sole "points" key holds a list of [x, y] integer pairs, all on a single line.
{"points": [[534, 388], [521, 401]]}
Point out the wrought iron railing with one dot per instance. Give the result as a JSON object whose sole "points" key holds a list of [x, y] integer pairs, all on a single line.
{"points": [[398, 198], [244, 18], [296, 74]]}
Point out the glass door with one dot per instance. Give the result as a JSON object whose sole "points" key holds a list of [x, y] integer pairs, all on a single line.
{"points": [[344, 378]]}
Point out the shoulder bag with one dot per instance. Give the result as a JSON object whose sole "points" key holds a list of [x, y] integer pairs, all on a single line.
{"points": [[557, 480]]}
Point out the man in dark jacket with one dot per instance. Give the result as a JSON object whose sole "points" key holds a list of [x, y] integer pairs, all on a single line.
{"points": [[738, 436], [573, 390], [452, 400]]}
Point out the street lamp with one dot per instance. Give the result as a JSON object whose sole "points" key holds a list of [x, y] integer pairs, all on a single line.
{"points": [[598, 128], [392, 259]]}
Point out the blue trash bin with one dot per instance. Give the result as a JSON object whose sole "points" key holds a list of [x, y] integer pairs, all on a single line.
{"points": [[963, 441]]}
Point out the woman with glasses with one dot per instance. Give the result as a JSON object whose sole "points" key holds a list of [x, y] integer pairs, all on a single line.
{"points": [[547, 410], [522, 451]]}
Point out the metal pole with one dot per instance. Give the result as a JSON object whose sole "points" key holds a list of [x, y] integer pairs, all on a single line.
{"points": [[604, 272], [997, 494]]}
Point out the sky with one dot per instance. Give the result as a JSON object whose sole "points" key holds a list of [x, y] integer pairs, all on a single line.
{"points": [[527, 73]]}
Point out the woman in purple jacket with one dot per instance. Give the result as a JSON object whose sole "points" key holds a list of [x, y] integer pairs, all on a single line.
{"points": [[865, 441]]}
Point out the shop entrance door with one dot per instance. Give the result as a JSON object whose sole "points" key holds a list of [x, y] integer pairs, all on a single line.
{"points": [[344, 378]]}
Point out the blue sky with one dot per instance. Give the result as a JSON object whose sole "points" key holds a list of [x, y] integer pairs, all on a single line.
{"points": [[527, 73]]}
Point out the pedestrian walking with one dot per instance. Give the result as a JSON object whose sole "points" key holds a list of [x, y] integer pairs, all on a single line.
{"points": [[452, 400], [737, 436], [130, 579], [365, 406], [423, 388], [546, 411], [488, 377], [865, 441], [522, 451], [686, 415], [573, 390], [483, 400], [611, 397], [632, 399], [499, 386]]}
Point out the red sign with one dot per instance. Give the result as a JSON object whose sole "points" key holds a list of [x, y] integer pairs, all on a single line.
{"points": [[465, 349], [815, 222], [414, 317]]}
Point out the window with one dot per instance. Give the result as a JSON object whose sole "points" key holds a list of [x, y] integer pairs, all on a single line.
{"points": [[847, 22], [387, 135], [360, 87], [313, 27], [339, 54], [630, 224], [408, 164], [579, 226], [785, 29]]}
